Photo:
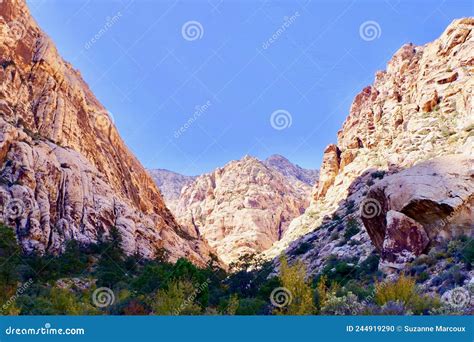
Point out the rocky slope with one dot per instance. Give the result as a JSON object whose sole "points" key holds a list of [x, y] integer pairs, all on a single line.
{"points": [[65, 172], [245, 206], [170, 184], [291, 171], [419, 109]]}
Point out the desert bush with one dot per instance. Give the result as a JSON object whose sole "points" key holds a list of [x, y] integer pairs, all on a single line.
{"points": [[379, 174], [251, 306], [339, 270], [177, 299], [462, 249], [350, 207], [404, 290], [352, 228], [424, 259], [344, 305], [293, 279], [303, 248], [394, 309]]}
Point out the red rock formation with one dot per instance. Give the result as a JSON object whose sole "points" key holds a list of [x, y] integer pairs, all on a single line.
{"points": [[429, 202], [242, 207], [65, 171], [418, 109], [329, 170]]}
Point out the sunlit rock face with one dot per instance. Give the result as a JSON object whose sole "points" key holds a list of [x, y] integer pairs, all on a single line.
{"points": [[245, 206], [65, 172], [418, 109]]}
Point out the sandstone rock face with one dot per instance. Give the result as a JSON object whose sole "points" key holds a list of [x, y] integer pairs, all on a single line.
{"points": [[65, 172], [329, 170], [418, 109], [170, 184], [241, 208], [431, 201], [404, 238], [291, 171]]}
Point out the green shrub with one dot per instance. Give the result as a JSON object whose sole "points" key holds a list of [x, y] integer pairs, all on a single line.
{"points": [[404, 290], [339, 271], [177, 299], [379, 174], [9, 256], [352, 228], [344, 305], [302, 248], [293, 279], [251, 306], [350, 206]]}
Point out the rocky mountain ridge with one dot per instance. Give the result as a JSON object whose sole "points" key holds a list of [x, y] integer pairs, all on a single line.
{"points": [[292, 171], [245, 206], [170, 184], [65, 172], [400, 177]]}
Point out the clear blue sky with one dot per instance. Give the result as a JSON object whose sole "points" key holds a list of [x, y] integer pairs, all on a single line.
{"points": [[151, 79]]}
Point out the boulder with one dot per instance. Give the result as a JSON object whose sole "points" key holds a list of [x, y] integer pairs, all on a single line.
{"points": [[424, 204]]}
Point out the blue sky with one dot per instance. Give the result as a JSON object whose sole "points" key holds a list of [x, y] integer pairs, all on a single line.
{"points": [[192, 102]]}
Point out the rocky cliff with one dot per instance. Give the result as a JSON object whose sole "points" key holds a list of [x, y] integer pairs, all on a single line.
{"points": [[245, 206], [170, 184], [65, 172], [419, 109], [291, 171]]}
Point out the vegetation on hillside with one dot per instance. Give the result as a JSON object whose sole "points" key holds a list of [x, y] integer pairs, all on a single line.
{"points": [[101, 279]]}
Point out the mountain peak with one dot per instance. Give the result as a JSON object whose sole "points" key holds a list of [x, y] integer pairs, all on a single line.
{"points": [[68, 168], [287, 168]]}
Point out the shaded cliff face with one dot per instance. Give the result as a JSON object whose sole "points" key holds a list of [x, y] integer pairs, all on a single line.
{"points": [[419, 109], [170, 184], [65, 171], [241, 208]]}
